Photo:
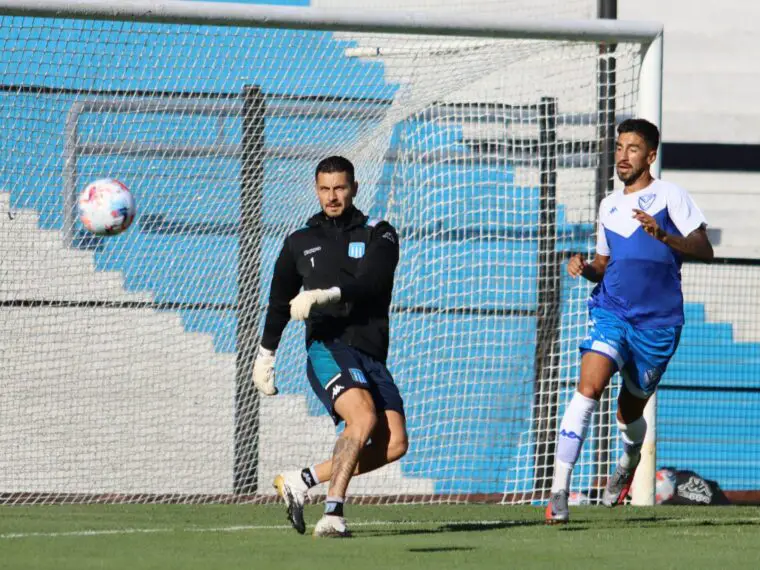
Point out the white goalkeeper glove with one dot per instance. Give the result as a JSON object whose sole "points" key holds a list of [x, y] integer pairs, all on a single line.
{"points": [[263, 372], [301, 304]]}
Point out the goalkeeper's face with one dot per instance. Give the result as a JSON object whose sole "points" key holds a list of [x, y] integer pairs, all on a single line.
{"points": [[335, 192]]}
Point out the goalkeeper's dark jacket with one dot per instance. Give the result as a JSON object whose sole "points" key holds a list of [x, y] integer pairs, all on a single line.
{"points": [[351, 252]]}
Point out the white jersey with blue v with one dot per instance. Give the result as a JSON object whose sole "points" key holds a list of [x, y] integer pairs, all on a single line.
{"points": [[642, 281]]}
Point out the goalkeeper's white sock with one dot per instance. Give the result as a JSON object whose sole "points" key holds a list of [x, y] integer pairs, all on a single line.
{"points": [[572, 433], [632, 435], [309, 477]]}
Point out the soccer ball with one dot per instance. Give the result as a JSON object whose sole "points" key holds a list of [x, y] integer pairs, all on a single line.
{"points": [[106, 207], [665, 485]]}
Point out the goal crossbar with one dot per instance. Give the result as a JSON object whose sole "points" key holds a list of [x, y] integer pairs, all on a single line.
{"points": [[377, 21]]}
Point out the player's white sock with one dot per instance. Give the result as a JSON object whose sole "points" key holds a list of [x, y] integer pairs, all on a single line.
{"points": [[572, 433], [632, 435]]}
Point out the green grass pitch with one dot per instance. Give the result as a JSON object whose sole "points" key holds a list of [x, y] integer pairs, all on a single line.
{"points": [[385, 537]]}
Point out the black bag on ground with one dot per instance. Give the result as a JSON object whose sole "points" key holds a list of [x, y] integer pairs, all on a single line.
{"points": [[691, 489]]}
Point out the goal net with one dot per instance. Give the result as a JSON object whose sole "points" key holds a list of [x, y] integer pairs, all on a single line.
{"points": [[125, 361]]}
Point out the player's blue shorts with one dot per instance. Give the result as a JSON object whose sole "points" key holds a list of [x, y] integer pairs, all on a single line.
{"points": [[333, 367], [641, 355]]}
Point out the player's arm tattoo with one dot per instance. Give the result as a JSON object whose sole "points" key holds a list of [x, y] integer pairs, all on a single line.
{"points": [[345, 458], [695, 245]]}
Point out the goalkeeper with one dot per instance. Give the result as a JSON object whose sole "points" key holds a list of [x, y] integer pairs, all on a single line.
{"points": [[345, 263]]}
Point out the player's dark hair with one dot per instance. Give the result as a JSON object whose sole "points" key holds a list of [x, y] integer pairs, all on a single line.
{"points": [[336, 164], [646, 130]]}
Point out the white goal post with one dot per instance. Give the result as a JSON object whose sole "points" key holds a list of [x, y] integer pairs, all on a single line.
{"points": [[125, 362]]}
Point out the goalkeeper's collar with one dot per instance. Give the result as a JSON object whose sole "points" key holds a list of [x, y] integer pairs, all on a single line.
{"points": [[351, 218]]}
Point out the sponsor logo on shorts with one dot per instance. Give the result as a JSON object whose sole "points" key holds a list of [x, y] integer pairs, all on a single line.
{"points": [[357, 375], [336, 390], [312, 250], [653, 376]]}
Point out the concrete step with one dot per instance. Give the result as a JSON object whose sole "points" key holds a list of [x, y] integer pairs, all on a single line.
{"points": [[515, 8], [740, 251], [739, 220], [35, 263], [681, 15], [135, 406], [731, 203], [103, 400], [723, 51], [719, 92], [20, 221], [736, 127], [738, 239], [724, 204], [702, 182]]}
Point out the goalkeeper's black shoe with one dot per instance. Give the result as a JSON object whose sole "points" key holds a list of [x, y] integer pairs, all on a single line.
{"points": [[292, 489]]}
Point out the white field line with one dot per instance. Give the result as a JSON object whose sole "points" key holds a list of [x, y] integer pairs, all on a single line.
{"points": [[239, 528], [247, 528]]}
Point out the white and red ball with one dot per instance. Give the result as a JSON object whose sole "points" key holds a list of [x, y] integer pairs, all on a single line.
{"points": [[664, 485], [106, 207]]}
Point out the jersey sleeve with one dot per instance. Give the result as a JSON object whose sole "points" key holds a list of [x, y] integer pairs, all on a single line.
{"points": [[286, 282], [602, 247], [685, 214], [374, 277]]}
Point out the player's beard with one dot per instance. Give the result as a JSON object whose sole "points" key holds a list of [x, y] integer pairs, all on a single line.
{"points": [[632, 176]]}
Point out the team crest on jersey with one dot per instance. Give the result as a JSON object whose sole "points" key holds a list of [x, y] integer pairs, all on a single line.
{"points": [[356, 249], [646, 201]]}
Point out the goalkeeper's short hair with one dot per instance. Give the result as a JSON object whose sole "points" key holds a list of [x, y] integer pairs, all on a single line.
{"points": [[335, 164]]}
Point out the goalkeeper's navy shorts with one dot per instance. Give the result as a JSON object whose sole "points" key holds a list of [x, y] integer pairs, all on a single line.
{"points": [[333, 367]]}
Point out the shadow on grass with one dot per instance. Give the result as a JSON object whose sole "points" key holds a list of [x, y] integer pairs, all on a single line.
{"points": [[442, 549], [571, 528], [675, 522], [449, 527], [661, 521]]}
